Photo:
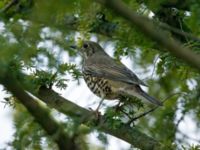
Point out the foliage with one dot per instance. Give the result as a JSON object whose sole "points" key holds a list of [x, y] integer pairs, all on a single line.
{"points": [[29, 134], [35, 39]]}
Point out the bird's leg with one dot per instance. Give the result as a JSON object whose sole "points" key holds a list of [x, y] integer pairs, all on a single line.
{"points": [[97, 109], [118, 107], [97, 113], [120, 104]]}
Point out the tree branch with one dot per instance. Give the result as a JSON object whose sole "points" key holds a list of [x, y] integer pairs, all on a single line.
{"points": [[40, 113], [129, 134], [179, 32], [153, 109], [9, 5], [148, 28]]}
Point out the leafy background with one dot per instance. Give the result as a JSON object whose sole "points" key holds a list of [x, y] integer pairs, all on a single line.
{"points": [[35, 40]]}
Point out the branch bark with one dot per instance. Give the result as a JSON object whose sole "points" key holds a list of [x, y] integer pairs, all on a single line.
{"points": [[40, 113], [129, 134], [148, 28], [9, 5]]}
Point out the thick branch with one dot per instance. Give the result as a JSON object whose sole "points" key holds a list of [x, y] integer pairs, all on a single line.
{"points": [[40, 113], [148, 28], [129, 134]]}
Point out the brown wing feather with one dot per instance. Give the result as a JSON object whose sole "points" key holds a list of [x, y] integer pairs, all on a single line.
{"points": [[106, 67]]}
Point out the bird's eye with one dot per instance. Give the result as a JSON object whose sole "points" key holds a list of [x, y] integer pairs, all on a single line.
{"points": [[85, 45]]}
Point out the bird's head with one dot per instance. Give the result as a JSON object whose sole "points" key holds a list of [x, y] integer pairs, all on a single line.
{"points": [[89, 48]]}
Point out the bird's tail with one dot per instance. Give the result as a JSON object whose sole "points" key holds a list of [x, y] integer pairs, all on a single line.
{"points": [[136, 91], [150, 98]]}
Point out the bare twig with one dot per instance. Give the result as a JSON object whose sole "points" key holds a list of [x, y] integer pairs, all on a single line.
{"points": [[179, 121], [142, 114], [188, 137], [152, 109], [154, 66]]}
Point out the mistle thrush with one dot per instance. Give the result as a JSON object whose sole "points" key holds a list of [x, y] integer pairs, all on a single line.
{"points": [[109, 79]]}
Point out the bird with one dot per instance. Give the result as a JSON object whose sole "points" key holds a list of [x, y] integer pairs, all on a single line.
{"points": [[109, 79]]}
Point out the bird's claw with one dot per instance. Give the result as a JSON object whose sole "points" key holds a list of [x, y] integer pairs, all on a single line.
{"points": [[118, 107], [96, 112]]}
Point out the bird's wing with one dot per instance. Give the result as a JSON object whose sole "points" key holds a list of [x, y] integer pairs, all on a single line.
{"points": [[107, 68]]}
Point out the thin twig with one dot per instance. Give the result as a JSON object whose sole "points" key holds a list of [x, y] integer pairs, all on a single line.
{"points": [[153, 109], [179, 121], [143, 114], [186, 136], [126, 114], [9, 5], [154, 65], [180, 32]]}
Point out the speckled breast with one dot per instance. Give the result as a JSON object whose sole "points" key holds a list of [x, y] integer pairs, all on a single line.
{"points": [[100, 87]]}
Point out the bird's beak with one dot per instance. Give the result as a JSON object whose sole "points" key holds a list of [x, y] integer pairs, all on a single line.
{"points": [[76, 48], [73, 46]]}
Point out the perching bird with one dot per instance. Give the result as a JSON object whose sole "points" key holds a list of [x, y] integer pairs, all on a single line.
{"points": [[109, 79]]}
